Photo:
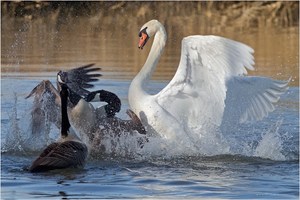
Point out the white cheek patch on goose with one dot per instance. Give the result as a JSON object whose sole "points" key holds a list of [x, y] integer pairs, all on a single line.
{"points": [[98, 96], [59, 79]]}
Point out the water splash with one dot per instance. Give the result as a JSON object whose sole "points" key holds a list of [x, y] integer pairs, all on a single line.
{"points": [[19, 137], [14, 140], [251, 141], [107, 142], [270, 146]]}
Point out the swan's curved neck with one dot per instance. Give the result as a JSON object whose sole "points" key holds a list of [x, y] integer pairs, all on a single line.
{"points": [[158, 45]]}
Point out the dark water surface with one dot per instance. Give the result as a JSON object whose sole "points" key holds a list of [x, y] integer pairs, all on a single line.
{"points": [[263, 163], [220, 177]]}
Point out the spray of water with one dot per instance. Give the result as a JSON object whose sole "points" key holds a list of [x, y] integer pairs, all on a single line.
{"points": [[270, 146], [247, 141], [14, 140], [19, 137]]}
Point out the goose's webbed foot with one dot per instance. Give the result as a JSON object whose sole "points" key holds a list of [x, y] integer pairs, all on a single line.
{"points": [[136, 122]]}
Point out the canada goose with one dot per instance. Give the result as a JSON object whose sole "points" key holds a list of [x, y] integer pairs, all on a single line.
{"points": [[88, 120], [46, 105], [47, 100], [83, 116], [69, 151]]}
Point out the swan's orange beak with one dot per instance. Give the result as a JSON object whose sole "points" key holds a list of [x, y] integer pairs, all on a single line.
{"points": [[143, 40]]}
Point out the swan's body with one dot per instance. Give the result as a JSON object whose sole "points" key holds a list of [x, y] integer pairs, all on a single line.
{"points": [[208, 90], [68, 152]]}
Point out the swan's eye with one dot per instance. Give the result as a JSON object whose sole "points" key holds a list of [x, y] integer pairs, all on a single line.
{"points": [[143, 31]]}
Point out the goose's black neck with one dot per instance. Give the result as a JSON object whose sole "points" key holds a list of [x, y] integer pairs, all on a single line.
{"points": [[65, 124]]}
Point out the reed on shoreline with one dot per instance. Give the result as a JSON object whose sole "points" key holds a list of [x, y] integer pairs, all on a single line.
{"points": [[239, 14]]}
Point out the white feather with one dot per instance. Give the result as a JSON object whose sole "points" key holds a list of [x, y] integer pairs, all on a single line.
{"points": [[250, 99], [206, 62]]}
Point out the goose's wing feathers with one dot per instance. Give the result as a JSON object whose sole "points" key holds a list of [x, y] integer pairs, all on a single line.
{"points": [[198, 91], [251, 98], [45, 107], [43, 87], [81, 78], [61, 155]]}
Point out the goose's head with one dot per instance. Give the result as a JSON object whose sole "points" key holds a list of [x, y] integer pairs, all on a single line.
{"points": [[62, 77], [148, 30], [62, 80]]}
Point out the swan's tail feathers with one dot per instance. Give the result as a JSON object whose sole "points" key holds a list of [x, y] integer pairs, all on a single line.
{"points": [[69, 154]]}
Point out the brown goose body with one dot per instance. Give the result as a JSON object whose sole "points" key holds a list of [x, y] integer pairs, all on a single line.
{"points": [[68, 152]]}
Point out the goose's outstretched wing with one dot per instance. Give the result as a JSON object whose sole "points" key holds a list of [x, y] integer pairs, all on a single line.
{"points": [[43, 86], [46, 106], [81, 78], [60, 155], [198, 91]]}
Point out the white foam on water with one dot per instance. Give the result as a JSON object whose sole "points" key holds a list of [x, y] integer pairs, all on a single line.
{"points": [[253, 141], [18, 137], [270, 146]]}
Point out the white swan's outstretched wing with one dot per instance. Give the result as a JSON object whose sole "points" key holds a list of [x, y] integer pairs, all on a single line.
{"points": [[197, 93], [250, 98]]}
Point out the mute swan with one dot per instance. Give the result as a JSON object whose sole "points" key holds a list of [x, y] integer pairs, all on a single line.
{"points": [[208, 90], [69, 151]]}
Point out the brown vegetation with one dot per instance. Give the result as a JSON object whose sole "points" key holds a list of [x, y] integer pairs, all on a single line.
{"points": [[228, 13]]}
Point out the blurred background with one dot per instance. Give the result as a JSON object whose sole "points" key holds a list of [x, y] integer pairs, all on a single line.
{"points": [[39, 37]]}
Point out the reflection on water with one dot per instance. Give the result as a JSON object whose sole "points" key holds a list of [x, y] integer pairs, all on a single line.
{"points": [[45, 45]]}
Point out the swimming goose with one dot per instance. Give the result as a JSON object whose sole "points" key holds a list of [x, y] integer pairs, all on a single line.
{"points": [[69, 151]]}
